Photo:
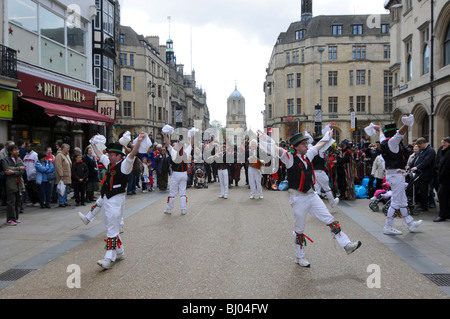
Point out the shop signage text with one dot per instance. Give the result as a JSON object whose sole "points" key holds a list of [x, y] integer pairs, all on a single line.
{"points": [[62, 93]]}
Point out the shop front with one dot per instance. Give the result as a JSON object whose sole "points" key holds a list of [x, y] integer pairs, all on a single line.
{"points": [[50, 109]]}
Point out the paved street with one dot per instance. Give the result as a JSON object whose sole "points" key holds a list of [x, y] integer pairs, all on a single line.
{"points": [[233, 248]]}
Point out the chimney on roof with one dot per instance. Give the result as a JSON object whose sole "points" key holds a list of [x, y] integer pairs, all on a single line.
{"points": [[306, 11]]}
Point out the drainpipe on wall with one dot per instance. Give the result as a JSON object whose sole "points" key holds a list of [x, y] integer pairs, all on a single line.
{"points": [[432, 75]]}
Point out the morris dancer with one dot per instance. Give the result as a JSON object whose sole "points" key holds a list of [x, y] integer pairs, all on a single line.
{"points": [[395, 157], [303, 199], [181, 157], [323, 182], [113, 191]]}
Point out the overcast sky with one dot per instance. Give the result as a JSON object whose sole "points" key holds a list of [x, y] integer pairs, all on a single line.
{"points": [[229, 41]]}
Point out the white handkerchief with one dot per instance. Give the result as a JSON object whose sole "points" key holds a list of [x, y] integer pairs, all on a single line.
{"points": [[168, 129], [99, 141], [408, 120], [310, 139], [326, 129], [125, 139], [192, 131], [370, 130], [146, 143]]}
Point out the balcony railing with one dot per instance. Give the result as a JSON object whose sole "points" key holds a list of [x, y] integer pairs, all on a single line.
{"points": [[8, 62]]}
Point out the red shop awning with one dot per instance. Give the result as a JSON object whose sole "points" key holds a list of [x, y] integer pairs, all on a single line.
{"points": [[73, 114]]}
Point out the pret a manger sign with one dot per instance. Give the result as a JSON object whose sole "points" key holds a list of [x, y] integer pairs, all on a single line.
{"points": [[62, 93]]}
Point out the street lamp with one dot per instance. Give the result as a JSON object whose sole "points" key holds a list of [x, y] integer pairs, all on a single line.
{"points": [[153, 95], [318, 107]]}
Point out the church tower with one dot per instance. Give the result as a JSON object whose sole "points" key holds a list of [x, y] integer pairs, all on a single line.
{"points": [[306, 11], [236, 111]]}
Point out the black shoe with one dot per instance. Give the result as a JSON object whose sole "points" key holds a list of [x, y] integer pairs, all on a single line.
{"points": [[61, 205], [83, 204], [439, 219], [65, 205], [47, 206], [422, 209]]}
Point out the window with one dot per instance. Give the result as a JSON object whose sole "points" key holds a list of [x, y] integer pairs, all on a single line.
{"points": [[385, 29], [332, 104], [52, 26], [97, 77], [300, 34], [332, 78], [24, 14], [299, 80], [303, 55], [288, 58], [295, 57], [408, 45], [108, 74], [290, 81], [409, 68], [108, 18], [270, 111], [127, 83], [299, 106], [360, 104], [50, 40], [123, 59], [127, 109], [387, 92], [447, 47], [357, 29], [360, 77], [351, 75], [387, 51], [132, 60], [426, 60], [359, 52], [122, 38], [332, 53], [290, 106], [350, 102], [336, 29]]}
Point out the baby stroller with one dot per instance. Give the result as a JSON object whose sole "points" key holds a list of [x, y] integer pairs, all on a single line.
{"points": [[381, 195], [411, 178], [200, 176], [272, 182]]}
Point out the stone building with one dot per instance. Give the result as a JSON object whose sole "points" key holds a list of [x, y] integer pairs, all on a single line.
{"points": [[154, 89], [323, 69], [144, 85], [420, 64], [236, 117]]}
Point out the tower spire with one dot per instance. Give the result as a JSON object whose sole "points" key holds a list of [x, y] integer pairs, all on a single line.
{"points": [[306, 11]]}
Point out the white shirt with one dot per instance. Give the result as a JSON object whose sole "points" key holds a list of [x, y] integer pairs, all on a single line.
{"points": [[126, 167], [288, 159]]}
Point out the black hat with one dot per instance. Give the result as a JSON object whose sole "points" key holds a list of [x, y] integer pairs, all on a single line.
{"points": [[115, 148], [318, 138], [298, 138], [390, 129]]}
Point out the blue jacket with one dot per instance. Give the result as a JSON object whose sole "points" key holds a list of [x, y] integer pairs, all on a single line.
{"points": [[43, 170], [425, 163]]}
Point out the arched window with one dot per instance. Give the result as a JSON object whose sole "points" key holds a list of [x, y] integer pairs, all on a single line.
{"points": [[426, 59], [447, 47], [409, 69]]}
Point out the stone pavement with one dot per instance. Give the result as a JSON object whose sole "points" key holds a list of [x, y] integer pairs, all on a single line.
{"points": [[222, 249]]}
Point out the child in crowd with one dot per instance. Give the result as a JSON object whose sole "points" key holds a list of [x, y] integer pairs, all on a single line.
{"points": [[80, 174], [145, 173], [150, 176]]}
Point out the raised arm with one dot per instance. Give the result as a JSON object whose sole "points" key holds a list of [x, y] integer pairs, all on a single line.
{"points": [[136, 146]]}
